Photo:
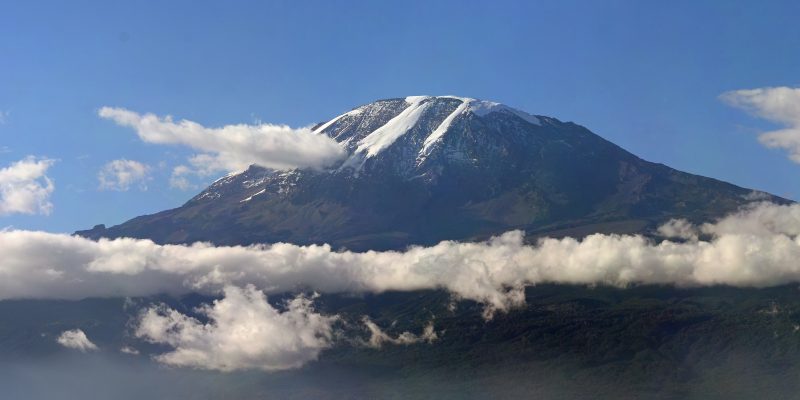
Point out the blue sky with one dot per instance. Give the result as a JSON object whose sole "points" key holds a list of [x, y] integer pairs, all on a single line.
{"points": [[646, 75]]}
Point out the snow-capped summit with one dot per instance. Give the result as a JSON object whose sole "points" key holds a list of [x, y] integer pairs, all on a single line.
{"points": [[421, 169], [406, 132], [373, 128]]}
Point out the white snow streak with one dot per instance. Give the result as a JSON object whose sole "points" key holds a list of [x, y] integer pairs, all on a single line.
{"points": [[326, 125], [383, 137], [254, 195], [481, 108], [437, 134]]}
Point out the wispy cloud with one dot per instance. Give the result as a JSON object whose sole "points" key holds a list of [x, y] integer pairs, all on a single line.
{"points": [[121, 174], [777, 104], [4, 116], [178, 179], [129, 350], [378, 337], [25, 188], [231, 147]]}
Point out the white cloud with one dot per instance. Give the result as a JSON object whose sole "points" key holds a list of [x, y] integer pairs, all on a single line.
{"points": [[121, 174], [777, 104], [244, 332], [76, 339], [678, 228], [757, 247], [129, 350], [758, 219], [4, 116], [232, 147], [25, 188], [756, 195], [378, 337], [178, 179]]}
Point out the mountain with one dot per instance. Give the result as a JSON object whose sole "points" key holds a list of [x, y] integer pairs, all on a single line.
{"points": [[423, 169]]}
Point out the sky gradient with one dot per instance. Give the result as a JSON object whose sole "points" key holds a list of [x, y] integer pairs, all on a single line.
{"points": [[646, 76]]}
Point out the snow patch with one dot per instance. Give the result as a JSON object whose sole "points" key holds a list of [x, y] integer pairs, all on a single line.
{"points": [[482, 108], [209, 195], [416, 99], [254, 195], [437, 134], [463, 99], [227, 177], [383, 137], [327, 125], [255, 182]]}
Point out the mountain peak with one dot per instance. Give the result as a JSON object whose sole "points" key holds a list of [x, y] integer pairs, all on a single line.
{"points": [[479, 107], [418, 124], [422, 169]]}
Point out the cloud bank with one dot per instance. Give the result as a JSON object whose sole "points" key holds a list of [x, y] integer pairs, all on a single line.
{"points": [[76, 339], [231, 147], [757, 247], [25, 188], [121, 174], [777, 104]]}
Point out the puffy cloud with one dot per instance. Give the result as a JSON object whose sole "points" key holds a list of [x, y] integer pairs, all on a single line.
{"points": [[25, 188], [777, 104], [758, 219], [232, 147], [45, 265], [121, 174], [378, 337], [757, 247], [76, 339], [244, 332], [678, 228]]}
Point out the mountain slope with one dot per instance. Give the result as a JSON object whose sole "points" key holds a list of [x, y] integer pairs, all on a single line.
{"points": [[569, 342], [424, 169]]}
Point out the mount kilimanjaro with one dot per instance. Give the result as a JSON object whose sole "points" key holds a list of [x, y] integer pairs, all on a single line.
{"points": [[419, 170], [422, 169]]}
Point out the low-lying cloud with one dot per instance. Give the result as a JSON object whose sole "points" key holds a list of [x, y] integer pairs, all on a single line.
{"points": [[377, 337], [25, 187], [231, 147], [777, 104], [756, 247], [76, 339], [244, 332]]}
